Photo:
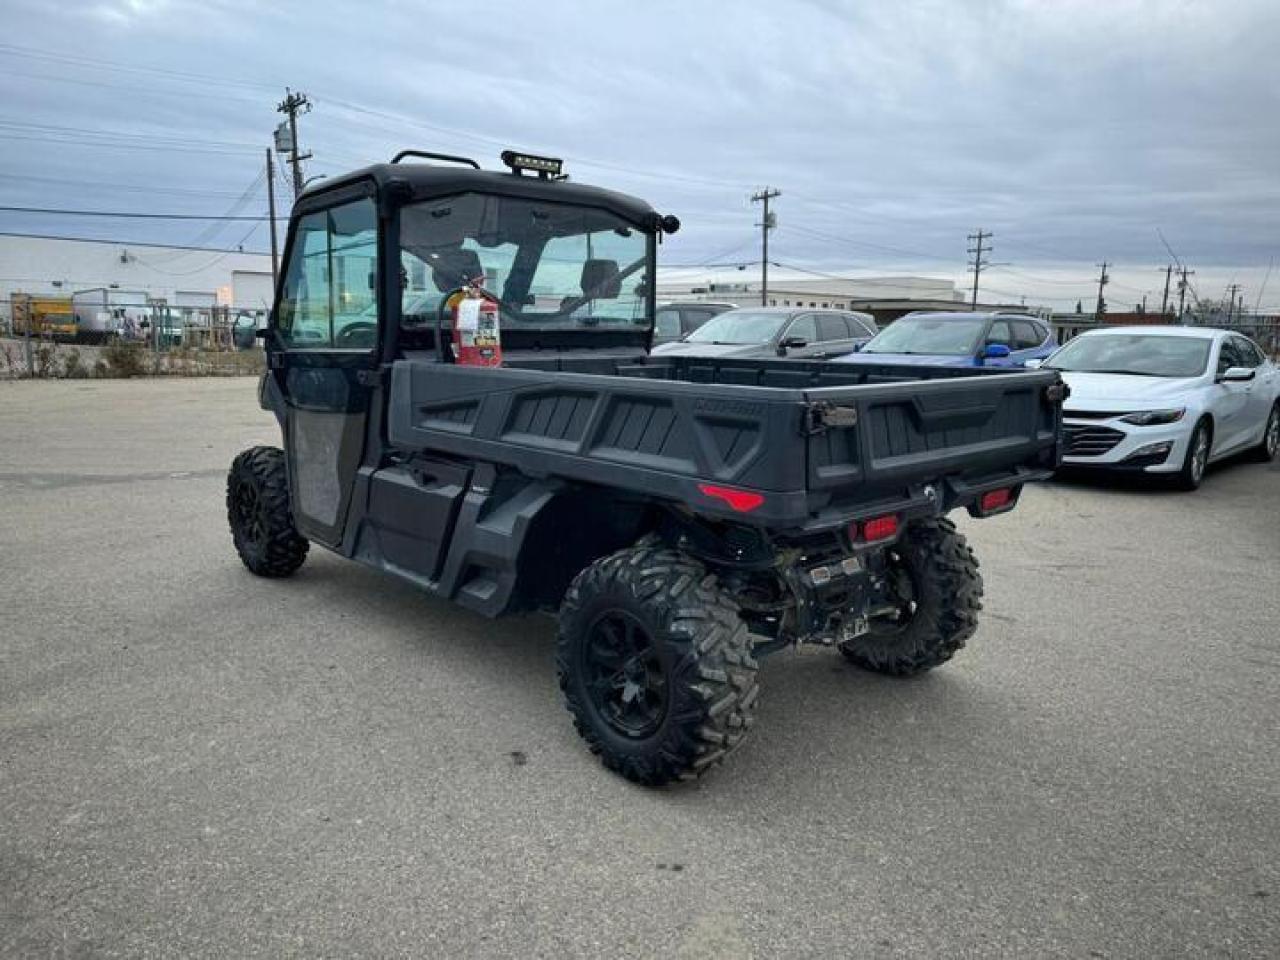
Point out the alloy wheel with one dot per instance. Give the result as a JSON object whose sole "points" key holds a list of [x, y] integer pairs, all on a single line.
{"points": [[625, 677], [1200, 456]]}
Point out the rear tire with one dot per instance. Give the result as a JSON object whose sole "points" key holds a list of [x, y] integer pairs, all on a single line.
{"points": [[655, 665], [1265, 452], [1196, 459], [941, 593], [259, 514]]}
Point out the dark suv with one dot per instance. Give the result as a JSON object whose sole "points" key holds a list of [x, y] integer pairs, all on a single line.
{"points": [[675, 321], [763, 332]]}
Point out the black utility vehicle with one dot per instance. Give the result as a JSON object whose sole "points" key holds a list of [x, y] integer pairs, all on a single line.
{"points": [[683, 515]]}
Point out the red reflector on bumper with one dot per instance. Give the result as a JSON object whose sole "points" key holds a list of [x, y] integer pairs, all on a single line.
{"points": [[742, 501], [880, 528], [995, 499]]}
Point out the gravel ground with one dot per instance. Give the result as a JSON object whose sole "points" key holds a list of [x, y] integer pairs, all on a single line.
{"points": [[195, 762]]}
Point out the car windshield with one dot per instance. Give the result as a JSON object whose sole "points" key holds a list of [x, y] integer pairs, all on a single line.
{"points": [[948, 336], [551, 265], [739, 326], [1138, 354]]}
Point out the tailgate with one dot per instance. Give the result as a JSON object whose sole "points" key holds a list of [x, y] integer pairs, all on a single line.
{"points": [[885, 435]]}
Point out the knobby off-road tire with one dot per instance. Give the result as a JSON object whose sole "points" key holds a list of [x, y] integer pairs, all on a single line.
{"points": [[655, 665], [935, 577], [259, 515]]}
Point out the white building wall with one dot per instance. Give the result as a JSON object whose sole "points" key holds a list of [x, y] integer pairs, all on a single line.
{"points": [[787, 291], [51, 266]]}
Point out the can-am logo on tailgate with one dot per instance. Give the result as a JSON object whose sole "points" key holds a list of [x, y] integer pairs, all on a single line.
{"points": [[741, 408]]}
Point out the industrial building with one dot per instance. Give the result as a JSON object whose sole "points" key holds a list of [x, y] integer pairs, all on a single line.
{"points": [[189, 280], [885, 298]]}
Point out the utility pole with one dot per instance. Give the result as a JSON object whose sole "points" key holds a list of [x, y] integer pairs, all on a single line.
{"points": [[1101, 309], [1182, 291], [767, 223], [1231, 299], [271, 211], [291, 106], [1164, 301], [979, 264]]}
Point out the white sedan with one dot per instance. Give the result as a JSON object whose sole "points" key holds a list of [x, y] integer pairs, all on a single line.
{"points": [[1166, 400]]}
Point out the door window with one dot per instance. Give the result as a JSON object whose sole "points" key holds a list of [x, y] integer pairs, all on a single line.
{"points": [[666, 324], [859, 326], [328, 301], [1247, 352], [1229, 356], [1025, 335], [804, 327], [1000, 333], [833, 327]]}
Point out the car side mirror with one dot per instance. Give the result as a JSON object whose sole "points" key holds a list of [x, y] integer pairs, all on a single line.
{"points": [[1034, 364], [995, 351], [791, 343], [1236, 375]]}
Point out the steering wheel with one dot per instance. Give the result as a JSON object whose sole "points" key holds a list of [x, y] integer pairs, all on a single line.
{"points": [[353, 334]]}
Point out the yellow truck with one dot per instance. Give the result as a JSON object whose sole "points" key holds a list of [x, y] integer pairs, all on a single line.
{"points": [[43, 316]]}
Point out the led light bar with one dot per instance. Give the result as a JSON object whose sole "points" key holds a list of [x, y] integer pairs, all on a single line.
{"points": [[543, 166]]}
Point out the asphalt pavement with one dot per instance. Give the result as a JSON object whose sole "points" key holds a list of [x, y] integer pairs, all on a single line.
{"points": [[198, 763]]}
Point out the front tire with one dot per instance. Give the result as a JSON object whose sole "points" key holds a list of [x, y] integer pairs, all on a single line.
{"points": [[937, 593], [1265, 452], [1196, 460], [259, 514], [655, 665]]}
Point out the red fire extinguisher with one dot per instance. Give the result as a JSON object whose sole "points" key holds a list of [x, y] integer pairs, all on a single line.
{"points": [[476, 331]]}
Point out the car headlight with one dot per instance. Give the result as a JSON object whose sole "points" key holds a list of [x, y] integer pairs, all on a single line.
{"points": [[1149, 417]]}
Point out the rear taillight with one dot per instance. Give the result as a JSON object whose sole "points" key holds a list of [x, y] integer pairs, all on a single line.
{"points": [[995, 499], [740, 501], [879, 528]]}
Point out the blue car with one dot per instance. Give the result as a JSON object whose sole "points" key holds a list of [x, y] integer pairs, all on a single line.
{"points": [[959, 340]]}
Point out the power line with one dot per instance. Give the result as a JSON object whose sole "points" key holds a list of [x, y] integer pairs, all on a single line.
{"points": [[865, 243], [119, 214]]}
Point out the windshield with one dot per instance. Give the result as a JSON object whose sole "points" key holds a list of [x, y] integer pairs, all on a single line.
{"points": [[739, 326], [950, 336], [1139, 354], [551, 265]]}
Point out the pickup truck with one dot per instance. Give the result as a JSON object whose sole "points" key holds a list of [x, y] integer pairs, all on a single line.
{"points": [[681, 516]]}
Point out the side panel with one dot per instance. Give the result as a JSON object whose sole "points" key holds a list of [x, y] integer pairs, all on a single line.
{"points": [[652, 437]]}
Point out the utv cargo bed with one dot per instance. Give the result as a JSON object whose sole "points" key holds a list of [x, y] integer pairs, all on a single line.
{"points": [[790, 444]]}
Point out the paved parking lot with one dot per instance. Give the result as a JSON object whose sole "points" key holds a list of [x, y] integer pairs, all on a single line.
{"points": [[195, 762]]}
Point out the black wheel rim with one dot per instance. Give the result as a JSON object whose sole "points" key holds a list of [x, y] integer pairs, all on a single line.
{"points": [[625, 677], [249, 515]]}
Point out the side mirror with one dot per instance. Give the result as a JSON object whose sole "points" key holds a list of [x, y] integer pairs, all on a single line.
{"points": [[1236, 375], [995, 351], [791, 343], [1034, 364]]}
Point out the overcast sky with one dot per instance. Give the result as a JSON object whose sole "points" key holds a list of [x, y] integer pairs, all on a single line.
{"points": [[1073, 130]]}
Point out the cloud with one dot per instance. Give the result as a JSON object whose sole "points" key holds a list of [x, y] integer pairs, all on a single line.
{"points": [[1072, 130]]}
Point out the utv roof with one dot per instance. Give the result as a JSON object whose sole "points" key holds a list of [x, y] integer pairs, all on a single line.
{"points": [[408, 182]]}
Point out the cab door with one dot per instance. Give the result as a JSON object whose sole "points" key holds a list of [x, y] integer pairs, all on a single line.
{"points": [[1230, 401], [323, 355]]}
